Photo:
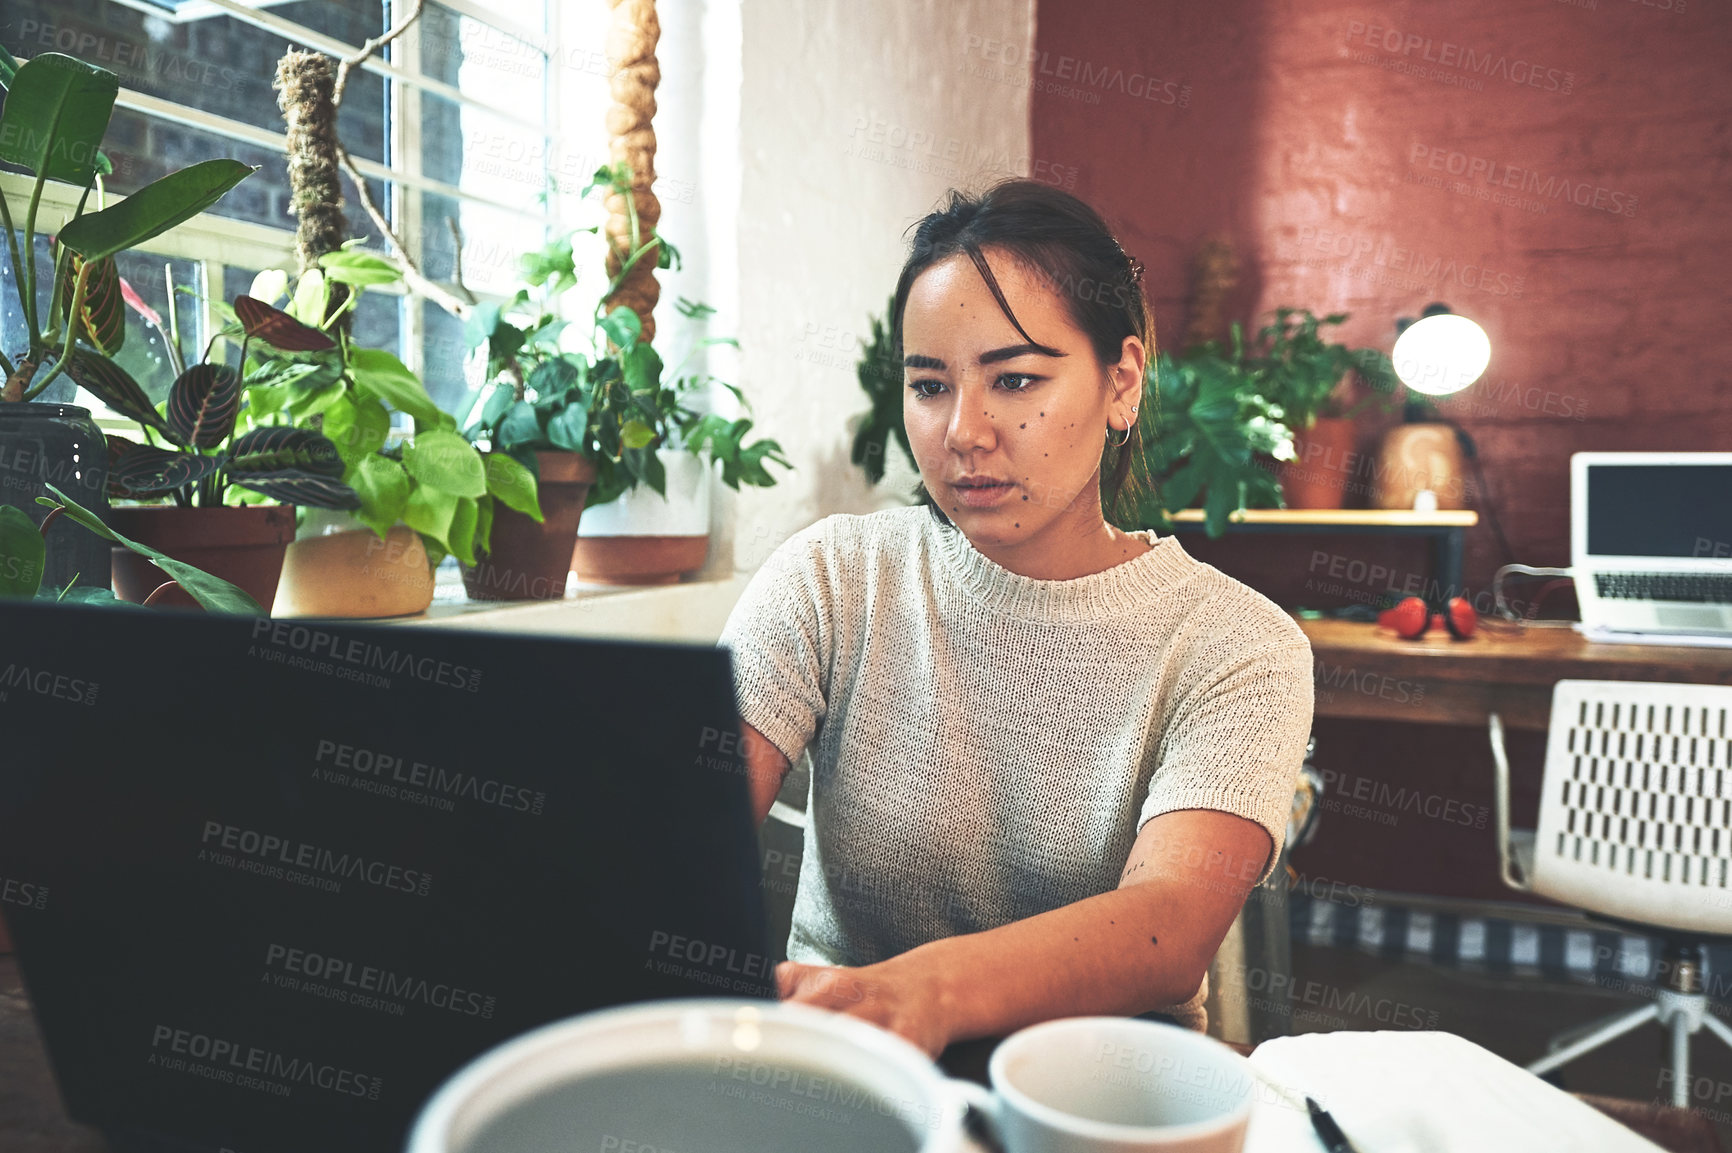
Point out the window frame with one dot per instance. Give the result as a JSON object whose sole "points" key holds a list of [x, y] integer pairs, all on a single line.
{"points": [[214, 242]]}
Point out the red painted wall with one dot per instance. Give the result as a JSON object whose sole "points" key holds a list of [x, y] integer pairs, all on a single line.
{"points": [[1559, 171]]}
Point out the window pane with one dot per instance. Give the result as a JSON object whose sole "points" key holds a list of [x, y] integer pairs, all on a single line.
{"points": [[215, 62], [493, 240], [449, 370], [145, 353]]}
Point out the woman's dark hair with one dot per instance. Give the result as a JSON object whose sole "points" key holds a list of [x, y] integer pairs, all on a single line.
{"points": [[1070, 249]]}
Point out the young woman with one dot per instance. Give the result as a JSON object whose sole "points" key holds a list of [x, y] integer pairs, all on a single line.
{"points": [[1050, 757]]}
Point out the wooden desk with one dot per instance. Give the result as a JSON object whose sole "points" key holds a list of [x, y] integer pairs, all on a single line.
{"points": [[1364, 672]]}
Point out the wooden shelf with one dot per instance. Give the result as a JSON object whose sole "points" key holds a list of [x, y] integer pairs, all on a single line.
{"points": [[1343, 517]]}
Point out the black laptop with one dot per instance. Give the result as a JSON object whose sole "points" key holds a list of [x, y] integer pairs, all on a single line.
{"points": [[284, 877]]}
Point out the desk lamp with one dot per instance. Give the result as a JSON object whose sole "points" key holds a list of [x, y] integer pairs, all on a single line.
{"points": [[1419, 462]]}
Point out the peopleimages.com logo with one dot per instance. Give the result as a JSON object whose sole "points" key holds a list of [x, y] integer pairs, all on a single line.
{"points": [[47, 683], [321, 651], [315, 865], [220, 1059], [308, 970]]}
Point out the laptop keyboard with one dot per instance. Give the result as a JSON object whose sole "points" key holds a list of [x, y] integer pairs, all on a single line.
{"points": [[1701, 588]]}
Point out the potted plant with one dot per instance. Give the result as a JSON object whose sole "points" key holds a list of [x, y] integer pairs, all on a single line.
{"points": [[1205, 429], [535, 413], [24, 551], [422, 496], [611, 402], [1301, 371], [880, 379], [56, 113]]}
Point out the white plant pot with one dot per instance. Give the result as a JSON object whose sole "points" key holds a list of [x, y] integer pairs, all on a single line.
{"points": [[643, 511], [645, 538]]}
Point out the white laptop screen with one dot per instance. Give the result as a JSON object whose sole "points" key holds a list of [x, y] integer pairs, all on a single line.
{"points": [[1660, 510]]}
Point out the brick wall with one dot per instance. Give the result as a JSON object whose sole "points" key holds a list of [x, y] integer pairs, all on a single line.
{"points": [[1558, 171]]}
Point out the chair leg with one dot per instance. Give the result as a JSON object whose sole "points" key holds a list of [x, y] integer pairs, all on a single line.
{"points": [[1607, 1031], [1571, 1035], [1680, 1028]]}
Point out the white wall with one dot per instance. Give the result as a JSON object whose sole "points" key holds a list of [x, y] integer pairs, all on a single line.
{"points": [[855, 117]]}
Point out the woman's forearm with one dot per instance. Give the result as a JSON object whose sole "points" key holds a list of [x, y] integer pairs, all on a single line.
{"points": [[1101, 955]]}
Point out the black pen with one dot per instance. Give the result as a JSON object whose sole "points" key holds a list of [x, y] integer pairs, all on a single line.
{"points": [[1328, 1131]]}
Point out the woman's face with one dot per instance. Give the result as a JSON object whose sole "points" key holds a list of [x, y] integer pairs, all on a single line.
{"points": [[981, 403]]}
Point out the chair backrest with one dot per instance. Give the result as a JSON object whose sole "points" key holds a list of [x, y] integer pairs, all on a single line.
{"points": [[1636, 805]]}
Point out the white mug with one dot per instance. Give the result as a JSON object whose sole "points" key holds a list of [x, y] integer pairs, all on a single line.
{"points": [[740, 1076], [1115, 1085], [698, 1076]]}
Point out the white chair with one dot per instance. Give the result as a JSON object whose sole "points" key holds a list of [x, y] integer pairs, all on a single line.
{"points": [[1635, 828]]}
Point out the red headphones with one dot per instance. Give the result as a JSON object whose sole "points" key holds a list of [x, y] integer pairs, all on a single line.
{"points": [[1412, 617]]}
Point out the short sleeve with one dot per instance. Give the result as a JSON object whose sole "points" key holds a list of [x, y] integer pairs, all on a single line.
{"points": [[1237, 744], [779, 639]]}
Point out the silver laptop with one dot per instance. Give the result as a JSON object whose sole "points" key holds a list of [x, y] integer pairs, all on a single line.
{"points": [[1651, 540]]}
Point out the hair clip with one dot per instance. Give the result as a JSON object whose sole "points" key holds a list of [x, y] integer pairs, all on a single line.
{"points": [[1135, 269]]}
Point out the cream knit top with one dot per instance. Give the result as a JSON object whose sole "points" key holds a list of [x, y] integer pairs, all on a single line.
{"points": [[986, 746]]}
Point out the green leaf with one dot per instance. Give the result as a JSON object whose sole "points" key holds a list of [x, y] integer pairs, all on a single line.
{"points": [[312, 294], [203, 404], [623, 328], [114, 386], [23, 555], [643, 369], [483, 524], [498, 401], [56, 113], [309, 402], [383, 487], [357, 425], [269, 286], [8, 68], [153, 209], [513, 486], [358, 267], [481, 323], [444, 460], [430, 510], [568, 428], [557, 376], [213, 593], [384, 376], [102, 312], [144, 471], [635, 434], [520, 425], [461, 537]]}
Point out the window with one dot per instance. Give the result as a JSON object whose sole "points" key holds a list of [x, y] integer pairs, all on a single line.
{"points": [[473, 123]]}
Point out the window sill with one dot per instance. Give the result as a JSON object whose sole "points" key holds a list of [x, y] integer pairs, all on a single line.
{"points": [[691, 611]]}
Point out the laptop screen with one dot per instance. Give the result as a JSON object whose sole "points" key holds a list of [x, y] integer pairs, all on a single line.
{"points": [[1660, 510], [291, 875]]}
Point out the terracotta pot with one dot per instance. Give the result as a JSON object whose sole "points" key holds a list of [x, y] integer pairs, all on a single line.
{"points": [[356, 575], [638, 560], [530, 561], [244, 545], [645, 538], [1419, 456], [1319, 476]]}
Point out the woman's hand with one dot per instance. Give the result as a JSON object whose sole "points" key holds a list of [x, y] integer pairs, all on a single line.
{"points": [[907, 999]]}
